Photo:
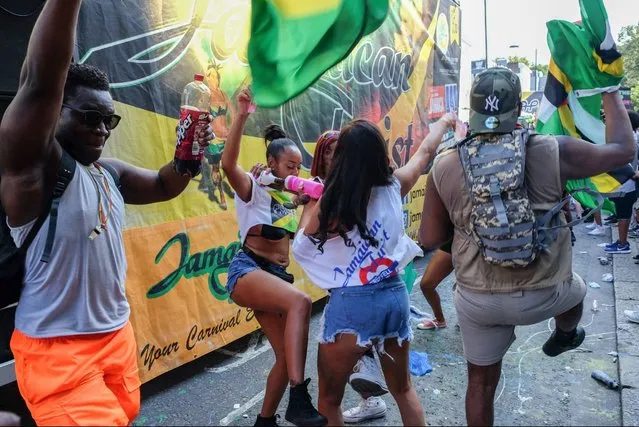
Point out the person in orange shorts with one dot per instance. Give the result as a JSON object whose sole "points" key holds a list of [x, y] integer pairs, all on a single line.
{"points": [[74, 348]]}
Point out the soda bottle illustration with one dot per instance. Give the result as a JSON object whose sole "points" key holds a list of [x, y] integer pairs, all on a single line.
{"points": [[194, 117]]}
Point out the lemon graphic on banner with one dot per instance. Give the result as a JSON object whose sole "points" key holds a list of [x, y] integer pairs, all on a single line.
{"points": [[442, 37]]}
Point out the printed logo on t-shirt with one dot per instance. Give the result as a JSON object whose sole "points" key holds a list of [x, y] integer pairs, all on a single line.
{"points": [[281, 216], [369, 263], [381, 268]]}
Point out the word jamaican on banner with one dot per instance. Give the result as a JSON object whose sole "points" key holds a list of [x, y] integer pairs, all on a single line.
{"points": [[212, 262]]}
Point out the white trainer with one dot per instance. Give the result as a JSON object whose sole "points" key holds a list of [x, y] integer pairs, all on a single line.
{"points": [[367, 377], [632, 315], [597, 231], [368, 409], [591, 226]]}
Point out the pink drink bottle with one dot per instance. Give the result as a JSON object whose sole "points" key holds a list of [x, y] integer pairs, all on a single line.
{"points": [[309, 187]]}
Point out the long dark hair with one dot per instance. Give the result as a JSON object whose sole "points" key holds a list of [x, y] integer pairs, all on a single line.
{"points": [[359, 164], [276, 141]]}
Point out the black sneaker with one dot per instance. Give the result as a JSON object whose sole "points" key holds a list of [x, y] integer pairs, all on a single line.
{"points": [[301, 411], [611, 220], [590, 218], [573, 238], [560, 342], [267, 422]]}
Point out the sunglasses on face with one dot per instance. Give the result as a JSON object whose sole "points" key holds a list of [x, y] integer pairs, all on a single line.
{"points": [[94, 118]]}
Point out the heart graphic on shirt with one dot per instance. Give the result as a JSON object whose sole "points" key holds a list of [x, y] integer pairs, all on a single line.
{"points": [[364, 272]]}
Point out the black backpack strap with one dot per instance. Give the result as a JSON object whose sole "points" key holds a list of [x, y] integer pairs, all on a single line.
{"points": [[114, 174], [66, 170], [548, 224]]}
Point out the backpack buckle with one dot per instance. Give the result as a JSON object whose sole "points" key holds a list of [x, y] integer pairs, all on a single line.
{"points": [[59, 188], [495, 191], [498, 203]]}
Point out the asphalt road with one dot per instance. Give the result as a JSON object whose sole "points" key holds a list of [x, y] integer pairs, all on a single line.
{"points": [[226, 386]]}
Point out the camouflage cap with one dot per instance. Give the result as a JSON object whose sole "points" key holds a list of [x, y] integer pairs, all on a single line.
{"points": [[494, 101]]}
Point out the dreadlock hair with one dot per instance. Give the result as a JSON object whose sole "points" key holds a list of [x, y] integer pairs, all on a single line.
{"points": [[323, 142], [84, 75], [360, 163], [276, 141]]}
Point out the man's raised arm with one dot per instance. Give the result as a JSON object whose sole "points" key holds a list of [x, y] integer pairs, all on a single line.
{"points": [[28, 126], [581, 159]]}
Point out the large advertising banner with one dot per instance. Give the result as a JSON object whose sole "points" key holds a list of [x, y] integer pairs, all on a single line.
{"points": [[402, 77]]}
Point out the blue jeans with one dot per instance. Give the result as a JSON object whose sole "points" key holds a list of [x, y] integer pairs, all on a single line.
{"points": [[242, 264], [372, 312]]}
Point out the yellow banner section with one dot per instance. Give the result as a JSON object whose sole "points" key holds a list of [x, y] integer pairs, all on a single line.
{"points": [[413, 208], [152, 146]]}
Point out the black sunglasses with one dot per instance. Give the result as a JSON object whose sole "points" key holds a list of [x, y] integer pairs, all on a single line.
{"points": [[94, 118]]}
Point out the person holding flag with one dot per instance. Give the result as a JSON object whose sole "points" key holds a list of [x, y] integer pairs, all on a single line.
{"points": [[584, 64], [492, 296]]}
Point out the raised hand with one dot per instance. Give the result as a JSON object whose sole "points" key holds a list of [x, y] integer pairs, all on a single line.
{"points": [[258, 168], [245, 103]]}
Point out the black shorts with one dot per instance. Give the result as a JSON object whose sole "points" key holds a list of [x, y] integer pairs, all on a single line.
{"points": [[447, 247], [624, 205]]}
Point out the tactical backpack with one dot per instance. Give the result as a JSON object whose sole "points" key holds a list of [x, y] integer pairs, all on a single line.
{"points": [[503, 222]]}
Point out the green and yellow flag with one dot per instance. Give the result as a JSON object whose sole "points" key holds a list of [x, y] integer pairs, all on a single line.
{"points": [[585, 63], [293, 42]]}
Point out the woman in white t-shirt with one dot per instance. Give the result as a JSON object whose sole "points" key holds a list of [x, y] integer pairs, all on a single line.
{"points": [[353, 244], [257, 276]]}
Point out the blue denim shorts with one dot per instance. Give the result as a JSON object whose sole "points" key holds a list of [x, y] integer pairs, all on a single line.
{"points": [[242, 264], [372, 312]]}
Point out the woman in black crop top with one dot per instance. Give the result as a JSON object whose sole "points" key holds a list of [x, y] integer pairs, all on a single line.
{"points": [[257, 276]]}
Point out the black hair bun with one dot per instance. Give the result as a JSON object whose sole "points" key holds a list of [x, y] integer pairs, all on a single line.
{"points": [[273, 132]]}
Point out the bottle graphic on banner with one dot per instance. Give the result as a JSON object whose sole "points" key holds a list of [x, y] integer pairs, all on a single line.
{"points": [[194, 117]]}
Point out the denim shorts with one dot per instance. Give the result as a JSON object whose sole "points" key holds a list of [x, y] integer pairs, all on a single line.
{"points": [[372, 312], [242, 264]]}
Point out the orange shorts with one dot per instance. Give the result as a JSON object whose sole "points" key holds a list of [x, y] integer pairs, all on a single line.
{"points": [[79, 380]]}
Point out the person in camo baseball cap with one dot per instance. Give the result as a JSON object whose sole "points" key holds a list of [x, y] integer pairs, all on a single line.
{"points": [[495, 101]]}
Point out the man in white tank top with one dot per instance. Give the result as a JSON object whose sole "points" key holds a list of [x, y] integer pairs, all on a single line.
{"points": [[74, 347]]}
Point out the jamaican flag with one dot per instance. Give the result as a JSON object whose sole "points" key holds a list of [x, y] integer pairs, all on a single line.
{"points": [[585, 63], [293, 42]]}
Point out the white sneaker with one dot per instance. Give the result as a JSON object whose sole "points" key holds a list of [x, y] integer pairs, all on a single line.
{"points": [[367, 377], [369, 409], [632, 316], [591, 226], [597, 231]]}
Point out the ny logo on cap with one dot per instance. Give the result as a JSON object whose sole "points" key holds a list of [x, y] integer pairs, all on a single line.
{"points": [[492, 103]]}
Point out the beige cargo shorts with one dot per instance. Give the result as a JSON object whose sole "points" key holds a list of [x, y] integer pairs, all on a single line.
{"points": [[487, 320]]}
